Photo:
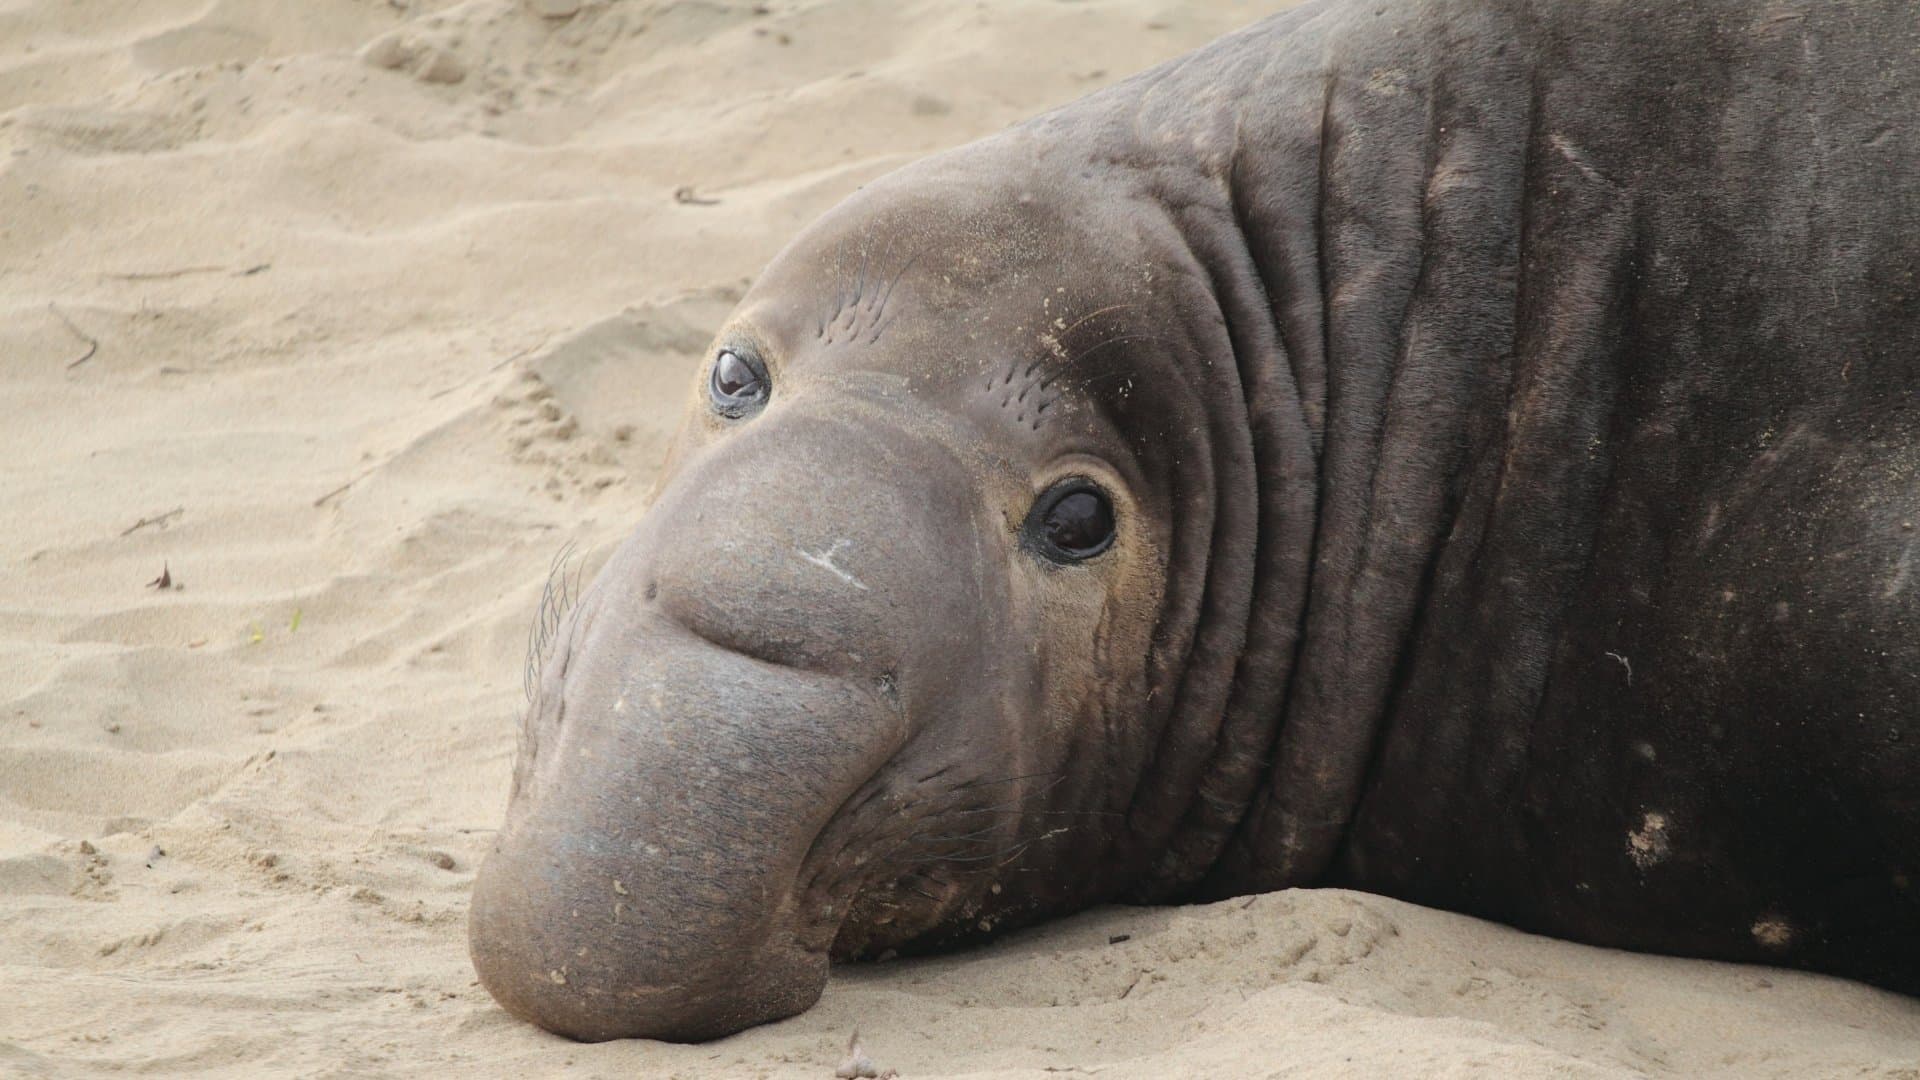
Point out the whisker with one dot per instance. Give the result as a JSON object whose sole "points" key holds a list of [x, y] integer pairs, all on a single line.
{"points": [[1010, 779], [921, 860], [1078, 323], [1002, 807], [860, 278], [557, 597], [1040, 813], [887, 293], [953, 837], [1082, 356]]}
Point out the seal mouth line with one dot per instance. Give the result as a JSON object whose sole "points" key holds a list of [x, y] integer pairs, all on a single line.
{"points": [[908, 842]]}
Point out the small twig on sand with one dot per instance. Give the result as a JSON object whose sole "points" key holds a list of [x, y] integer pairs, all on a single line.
{"points": [[536, 346], [162, 275], [157, 519], [541, 344], [324, 499], [93, 344], [184, 271], [686, 196]]}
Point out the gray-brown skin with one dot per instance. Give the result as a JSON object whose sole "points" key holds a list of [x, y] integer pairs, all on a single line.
{"points": [[1508, 411]]}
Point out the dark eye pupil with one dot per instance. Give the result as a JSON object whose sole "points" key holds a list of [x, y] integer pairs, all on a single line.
{"points": [[733, 378], [1070, 522], [1081, 523]]}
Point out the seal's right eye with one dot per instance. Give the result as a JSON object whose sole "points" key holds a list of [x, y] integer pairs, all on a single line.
{"points": [[1071, 522], [738, 383]]}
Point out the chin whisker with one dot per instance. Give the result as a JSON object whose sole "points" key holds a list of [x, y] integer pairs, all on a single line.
{"points": [[557, 598]]}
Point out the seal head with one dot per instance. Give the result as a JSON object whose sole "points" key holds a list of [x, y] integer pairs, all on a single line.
{"points": [[910, 562]]}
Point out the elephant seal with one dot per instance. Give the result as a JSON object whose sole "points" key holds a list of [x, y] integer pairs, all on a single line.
{"points": [[1460, 449]]}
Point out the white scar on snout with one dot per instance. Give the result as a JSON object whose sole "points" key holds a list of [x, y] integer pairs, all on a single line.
{"points": [[824, 560]]}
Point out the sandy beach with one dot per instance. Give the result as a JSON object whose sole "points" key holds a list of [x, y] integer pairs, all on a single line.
{"points": [[324, 328]]}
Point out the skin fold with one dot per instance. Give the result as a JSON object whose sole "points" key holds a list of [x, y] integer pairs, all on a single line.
{"points": [[1506, 413]]}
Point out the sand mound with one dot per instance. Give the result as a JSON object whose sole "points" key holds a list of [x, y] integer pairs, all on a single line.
{"points": [[349, 314]]}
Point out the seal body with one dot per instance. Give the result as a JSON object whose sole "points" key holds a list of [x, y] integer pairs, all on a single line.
{"points": [[1460, 449]]}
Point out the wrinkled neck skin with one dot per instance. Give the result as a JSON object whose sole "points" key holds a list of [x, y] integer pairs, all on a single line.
{"points": [[1353, 203], [828, 702]]}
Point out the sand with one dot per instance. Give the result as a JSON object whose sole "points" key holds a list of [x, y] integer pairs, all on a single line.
{"points": [[344, 316]]}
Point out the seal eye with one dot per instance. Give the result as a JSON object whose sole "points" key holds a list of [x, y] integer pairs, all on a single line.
{"points": [[738, 384], [1071, 522]]}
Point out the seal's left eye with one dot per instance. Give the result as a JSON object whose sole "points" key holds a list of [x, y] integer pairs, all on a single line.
{"points": [[738, 383]]}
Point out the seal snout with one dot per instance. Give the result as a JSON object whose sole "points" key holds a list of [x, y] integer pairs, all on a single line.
{"points": [[644, 884]]}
